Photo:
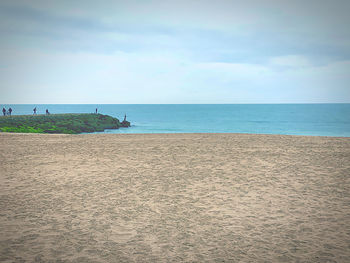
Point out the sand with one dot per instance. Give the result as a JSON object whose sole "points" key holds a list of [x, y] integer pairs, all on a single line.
{"points": [[174, 198]]}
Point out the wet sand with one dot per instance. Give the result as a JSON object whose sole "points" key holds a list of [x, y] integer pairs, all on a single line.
{"points": [[174, 198]]}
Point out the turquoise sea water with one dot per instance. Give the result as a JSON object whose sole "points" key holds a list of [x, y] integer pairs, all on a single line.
{"points": [[294, 119]]}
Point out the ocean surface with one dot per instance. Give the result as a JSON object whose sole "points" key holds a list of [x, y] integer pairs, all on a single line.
{"points": [[293, 119]]}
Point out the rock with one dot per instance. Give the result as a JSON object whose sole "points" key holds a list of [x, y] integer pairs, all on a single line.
{"points": [[125, 123]]}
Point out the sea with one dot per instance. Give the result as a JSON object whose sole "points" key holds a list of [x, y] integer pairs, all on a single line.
{"points": [[292, 119]]}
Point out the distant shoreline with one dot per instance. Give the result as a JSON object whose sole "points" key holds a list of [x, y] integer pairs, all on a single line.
{"points": [[170, 134]]}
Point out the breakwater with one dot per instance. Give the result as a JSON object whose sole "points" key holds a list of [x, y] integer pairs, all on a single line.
{"points": [[72, 123]]}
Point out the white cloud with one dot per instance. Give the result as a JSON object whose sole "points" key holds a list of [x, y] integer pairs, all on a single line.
{"points": [[41, 77], [290, 61]]}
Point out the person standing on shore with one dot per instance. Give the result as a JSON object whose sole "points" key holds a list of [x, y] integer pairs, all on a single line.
{"points": [[34, 111], [47, 112], [10, 111], [96, 111], [4, 111]]}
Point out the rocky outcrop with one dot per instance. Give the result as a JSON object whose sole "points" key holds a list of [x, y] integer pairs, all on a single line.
{"points": [[125, 123], [60, 123]]}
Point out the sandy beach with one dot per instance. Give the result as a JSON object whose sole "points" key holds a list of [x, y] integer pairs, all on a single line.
{"points": [[174, 198]]}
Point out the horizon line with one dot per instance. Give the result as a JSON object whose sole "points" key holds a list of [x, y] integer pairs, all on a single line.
{"points": [[256, 103]]}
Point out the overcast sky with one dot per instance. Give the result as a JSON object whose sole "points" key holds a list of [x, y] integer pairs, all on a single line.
{"points": [[252, 51]]}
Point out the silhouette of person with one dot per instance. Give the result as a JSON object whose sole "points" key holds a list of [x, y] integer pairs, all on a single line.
{"points": [[34, 111], [96, 110], [124, 117], [47, 112], [10, 111], [4, 111]]}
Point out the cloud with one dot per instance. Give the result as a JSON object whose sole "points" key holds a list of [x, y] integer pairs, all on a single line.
{"points": [[290, 61], [174, 51], [228, 31], [134, 78]]}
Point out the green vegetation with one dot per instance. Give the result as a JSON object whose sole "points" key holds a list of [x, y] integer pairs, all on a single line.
{"points": [[59, 123]]}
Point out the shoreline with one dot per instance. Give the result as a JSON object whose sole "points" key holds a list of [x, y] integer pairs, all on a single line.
{"points": [[180, 133]]}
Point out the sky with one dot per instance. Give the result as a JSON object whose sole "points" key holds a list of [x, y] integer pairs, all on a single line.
{"points": [[131, 52]]}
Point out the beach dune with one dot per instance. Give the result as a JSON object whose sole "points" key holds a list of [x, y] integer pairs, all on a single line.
{"points": [[174, 198]]}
